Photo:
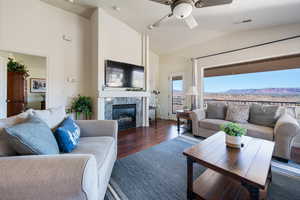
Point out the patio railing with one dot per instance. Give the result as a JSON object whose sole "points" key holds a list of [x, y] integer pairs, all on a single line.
{"points": [[279, 103]]}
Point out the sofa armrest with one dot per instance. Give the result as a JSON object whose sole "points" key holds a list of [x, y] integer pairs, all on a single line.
{"points": [[56, 177], [197, 115], [93, 128], [285, 130]]}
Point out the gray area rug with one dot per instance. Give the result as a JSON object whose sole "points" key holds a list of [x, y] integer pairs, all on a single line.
{"points": [[159, 173]]}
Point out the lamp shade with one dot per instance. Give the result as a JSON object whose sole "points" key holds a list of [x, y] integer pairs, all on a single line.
{"points": [[192, 91]]}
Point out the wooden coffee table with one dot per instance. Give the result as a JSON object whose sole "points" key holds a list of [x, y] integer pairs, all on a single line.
{"points": [[232, 173]]}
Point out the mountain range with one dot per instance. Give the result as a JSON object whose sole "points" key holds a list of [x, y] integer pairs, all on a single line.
{"points": [[274, 91]]}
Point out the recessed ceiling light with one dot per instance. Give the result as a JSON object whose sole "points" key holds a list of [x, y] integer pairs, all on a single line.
{"points": [[71, 1]]}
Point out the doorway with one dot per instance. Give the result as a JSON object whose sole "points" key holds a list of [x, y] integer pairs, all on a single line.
{"points": [[23, 83], [176, 94]]}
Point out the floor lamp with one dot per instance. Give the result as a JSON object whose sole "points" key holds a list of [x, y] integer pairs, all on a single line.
{"points": [[193, 93]]}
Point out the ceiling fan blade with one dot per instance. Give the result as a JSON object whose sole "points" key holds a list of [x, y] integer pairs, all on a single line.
{"points": [[209, 3], [158, 22], [191, 22], [165, 2]]}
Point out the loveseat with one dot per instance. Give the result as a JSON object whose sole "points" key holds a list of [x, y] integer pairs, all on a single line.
{"points": [[82, 174], [283, 132]]}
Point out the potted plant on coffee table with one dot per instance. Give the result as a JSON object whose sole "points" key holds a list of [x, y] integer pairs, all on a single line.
{"points": [[234, 134]]}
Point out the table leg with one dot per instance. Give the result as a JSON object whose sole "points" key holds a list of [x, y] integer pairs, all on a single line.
{"points": [[155, 115], [189, 178], [270, 174], [253, 191], [178, 124]]}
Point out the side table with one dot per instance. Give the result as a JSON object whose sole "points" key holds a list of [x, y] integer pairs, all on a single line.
{"points": [[184, 114]]}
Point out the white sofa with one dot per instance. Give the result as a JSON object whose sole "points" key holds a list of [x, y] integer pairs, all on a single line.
{"points": [[81, 175]]}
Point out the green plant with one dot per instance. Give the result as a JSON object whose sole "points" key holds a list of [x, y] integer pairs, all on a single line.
{"points": [[82, 105], [233, 129], [15, 66]]}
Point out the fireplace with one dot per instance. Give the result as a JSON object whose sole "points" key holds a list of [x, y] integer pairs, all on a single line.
{"points": [[125, 114]]}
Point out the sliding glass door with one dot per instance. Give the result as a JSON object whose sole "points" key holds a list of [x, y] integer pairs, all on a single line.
{"points": [[176, 95]]}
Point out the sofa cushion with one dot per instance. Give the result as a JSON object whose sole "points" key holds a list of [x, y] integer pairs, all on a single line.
{"points": [[292, 111], [238, 113], [32, 137], [258, 131], [52, 116], [264, 115], [104, 149], [212, 124], [67, 135], [5, 148], [100, 147], [216, 110]]}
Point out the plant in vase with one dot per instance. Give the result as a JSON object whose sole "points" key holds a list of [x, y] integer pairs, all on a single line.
{"points": [[82, 105], [234, 134]]}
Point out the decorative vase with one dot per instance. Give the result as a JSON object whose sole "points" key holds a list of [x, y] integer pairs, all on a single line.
{"points": [[234, 141]]}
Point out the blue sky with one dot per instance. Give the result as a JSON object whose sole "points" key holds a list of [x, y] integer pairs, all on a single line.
{"points": [[177, 85], [275, 79]]}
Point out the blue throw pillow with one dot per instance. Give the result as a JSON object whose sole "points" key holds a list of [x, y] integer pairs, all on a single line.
{"points": [[32, 137], [67, 135]]}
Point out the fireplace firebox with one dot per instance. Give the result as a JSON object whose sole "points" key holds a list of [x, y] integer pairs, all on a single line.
{"points": [[125, 114]]}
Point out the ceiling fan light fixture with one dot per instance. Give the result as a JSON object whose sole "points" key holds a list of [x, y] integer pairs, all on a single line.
{"points": [[183, 10]]}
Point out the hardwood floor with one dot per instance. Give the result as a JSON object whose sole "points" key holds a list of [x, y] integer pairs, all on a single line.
{"points": [[137, 139]]}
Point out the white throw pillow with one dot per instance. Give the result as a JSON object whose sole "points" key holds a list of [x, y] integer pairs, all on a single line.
{"points": [[52, 116], [5, 147]]}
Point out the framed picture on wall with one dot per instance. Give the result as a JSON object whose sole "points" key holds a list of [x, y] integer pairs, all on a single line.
{"points": [[38, 85]]}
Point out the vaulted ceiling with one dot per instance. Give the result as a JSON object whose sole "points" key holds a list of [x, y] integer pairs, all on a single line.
{"points": [[213, 21]]}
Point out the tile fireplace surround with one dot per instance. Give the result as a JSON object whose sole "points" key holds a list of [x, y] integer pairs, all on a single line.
{"points": [[110, 102]]}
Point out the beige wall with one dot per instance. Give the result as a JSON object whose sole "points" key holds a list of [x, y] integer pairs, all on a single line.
{"points": [[225, 43], [118, 42], [113, 40], [37, 28], [154, 70], [169, 65]]}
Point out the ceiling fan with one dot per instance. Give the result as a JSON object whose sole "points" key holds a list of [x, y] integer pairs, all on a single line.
{"points": [[182, 9]]}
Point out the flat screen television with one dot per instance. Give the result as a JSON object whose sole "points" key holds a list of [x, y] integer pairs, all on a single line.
{"points": [[123, 75]]}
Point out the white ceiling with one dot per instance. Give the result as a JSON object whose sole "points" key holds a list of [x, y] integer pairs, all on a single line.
{"points": [[213, 21]]}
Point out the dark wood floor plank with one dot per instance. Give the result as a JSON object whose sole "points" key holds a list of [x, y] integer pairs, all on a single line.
{"points": [[137, 139]]}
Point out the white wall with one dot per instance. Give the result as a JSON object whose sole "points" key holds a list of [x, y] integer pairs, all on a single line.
{"points": [[113, 40], [37, 28], [244, 39], [230, 42], [154, 70], [118, 42], [169, 65], [95, 62]]}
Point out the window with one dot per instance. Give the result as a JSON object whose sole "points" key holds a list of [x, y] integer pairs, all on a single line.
{"points": [[272, 87]]}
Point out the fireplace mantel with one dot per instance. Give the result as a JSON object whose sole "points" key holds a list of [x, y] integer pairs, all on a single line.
{"points": [[107, 94]]}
